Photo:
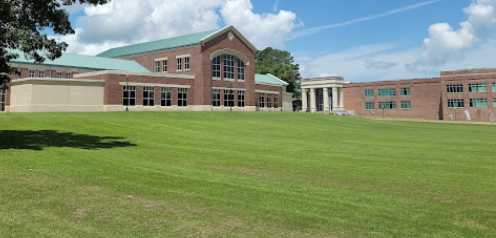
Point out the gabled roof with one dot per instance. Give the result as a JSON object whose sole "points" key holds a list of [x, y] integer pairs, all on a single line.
{"points": [[86, 62], [172, 43], [269, 79]]}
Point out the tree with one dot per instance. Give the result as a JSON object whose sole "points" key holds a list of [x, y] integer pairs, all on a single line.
{"points": [[281, 64], [24, 26]]}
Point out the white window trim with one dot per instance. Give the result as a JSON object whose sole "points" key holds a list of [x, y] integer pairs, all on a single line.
{"points": [[161, 59]]}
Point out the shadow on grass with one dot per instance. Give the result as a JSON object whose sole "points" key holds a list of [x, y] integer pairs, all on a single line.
{"points": [[38, 140]]}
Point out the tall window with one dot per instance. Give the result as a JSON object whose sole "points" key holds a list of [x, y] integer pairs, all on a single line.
{"points": [[187, 64], [387, 105], [166, 97], [478, 102], [165, 65], [40, 74], [405, 92], [216, 97], [179, 64], [387, 92], [368, 92], [494, 87], [228, 67], [2, 99], [456, 103], [158, 66], [276, 102], [477, 87], [261, 101], [216, 62], [148, 96], [406, 104], [129, 95], [494, 102], [228, 98], [369, 105], [31, 73], [241, 69], [269, 102], [241, 98], [454, 88], [182, 97]]}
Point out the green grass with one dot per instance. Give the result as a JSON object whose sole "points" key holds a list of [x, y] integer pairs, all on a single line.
{"points": [[243, 175]]}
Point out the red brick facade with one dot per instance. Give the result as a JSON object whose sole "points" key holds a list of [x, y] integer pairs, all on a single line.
{"points": [[198, 79], [428, 98]]}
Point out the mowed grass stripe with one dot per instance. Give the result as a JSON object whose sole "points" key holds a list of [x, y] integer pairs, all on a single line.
{"points": [[251, 175]]}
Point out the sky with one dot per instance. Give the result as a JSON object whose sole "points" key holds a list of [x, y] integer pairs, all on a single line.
{"points": [[361, 40]]}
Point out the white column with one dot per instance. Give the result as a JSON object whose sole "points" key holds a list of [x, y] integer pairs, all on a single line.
{"points": [[304, 103], [313, 102], [341, 98], [334, 98], [326, 99]]}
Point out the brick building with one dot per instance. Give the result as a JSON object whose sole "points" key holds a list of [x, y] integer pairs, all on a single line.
{"points": [[462, 95], [205, 71]]}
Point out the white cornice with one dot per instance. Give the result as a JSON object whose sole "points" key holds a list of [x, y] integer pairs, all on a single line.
{"points": [[119, 72]]}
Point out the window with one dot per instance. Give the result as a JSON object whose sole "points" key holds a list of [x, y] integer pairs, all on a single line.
{"points": [[166, 97], [187, 64], [369, 105], [387, 92], [477, 87], [456, 103], [478, 102], [387, 105], [31, 73], [368, 92], [165, 65], [241, 69], [129, 96], [216, 67], [494, 102], [228, 67], [269, 102], [276, 102], [405, 92], [148, 96], [158, 66], [261, 101], [40, 74], [241, 98], [494, 87], [406, 105], [182, 97], [454, 88], [179, 64], [216, 97], [228, 98], [68, 75], [2, 99]]}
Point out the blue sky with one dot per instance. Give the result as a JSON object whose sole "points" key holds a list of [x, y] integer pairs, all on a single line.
{"points": [[379, 40]]}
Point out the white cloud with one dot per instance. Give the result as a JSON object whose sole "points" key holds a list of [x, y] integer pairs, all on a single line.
{"points": [[471, 45], [445, 44], [123, 22], [262, 29]]}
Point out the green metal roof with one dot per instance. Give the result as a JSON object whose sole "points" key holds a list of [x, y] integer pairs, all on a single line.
{"points": [[169, 43], [269, 79], [86, 62]]}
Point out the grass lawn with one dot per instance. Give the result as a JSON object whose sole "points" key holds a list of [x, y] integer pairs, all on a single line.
{"points": [[243, 175]]}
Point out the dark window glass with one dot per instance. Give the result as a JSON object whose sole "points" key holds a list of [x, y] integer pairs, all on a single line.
{"points": [[129, 96], [182, 97], [216, 97], [166, 97]]}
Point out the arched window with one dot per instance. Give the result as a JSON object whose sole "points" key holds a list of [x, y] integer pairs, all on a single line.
{"points": [[231, 66]]}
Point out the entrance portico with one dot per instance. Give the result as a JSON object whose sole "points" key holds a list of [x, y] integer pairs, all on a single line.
{"points": [[323, 94]]}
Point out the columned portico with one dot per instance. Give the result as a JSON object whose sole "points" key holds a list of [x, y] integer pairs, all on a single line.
{"points": [[322, 94]]}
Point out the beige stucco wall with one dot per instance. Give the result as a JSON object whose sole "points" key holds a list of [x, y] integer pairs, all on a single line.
{"points": [[56, 96]]}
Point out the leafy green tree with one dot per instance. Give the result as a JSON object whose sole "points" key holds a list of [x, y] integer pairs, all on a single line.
{"points": [[25, 24], [281, 64]]}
